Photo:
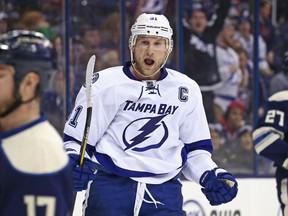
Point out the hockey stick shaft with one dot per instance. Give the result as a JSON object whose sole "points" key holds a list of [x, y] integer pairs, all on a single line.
{"points": [[85, 136], [88, 84]]}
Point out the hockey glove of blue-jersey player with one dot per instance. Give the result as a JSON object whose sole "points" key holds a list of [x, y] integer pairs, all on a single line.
{"points": [[219, 186], [82, 174]]}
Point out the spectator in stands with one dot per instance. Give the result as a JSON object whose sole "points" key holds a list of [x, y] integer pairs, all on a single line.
{"points": [[36, 21], [280, 81], [110, 30], [10, 8], [236, 150], [109, 58], [232, 122], [90, 41], [90, 38], [282, 8], [241, 158], [229, 70], [220, 152], [90, 44], [267, 30], [53, 10], [53, 102], [246, 89], [246, 38], [200, 61], [238, 143], [281, 46], [3, 22], [244, 93], [150, 6]]}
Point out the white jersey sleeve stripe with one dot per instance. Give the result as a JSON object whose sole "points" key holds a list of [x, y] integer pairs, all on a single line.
{"points": [[264, 138]]}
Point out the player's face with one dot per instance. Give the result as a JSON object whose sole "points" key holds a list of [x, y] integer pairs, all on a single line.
{"points": [[6, 86], [149, 54]]}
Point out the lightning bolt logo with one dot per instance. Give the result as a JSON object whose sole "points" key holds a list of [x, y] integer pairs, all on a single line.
{"points": [[146, 130]]}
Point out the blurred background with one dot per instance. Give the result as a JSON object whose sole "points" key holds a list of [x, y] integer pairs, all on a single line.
{"points": [[245, 39]]}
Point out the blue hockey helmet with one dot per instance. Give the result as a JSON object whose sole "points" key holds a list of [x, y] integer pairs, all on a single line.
{"points": [[27, 51]]}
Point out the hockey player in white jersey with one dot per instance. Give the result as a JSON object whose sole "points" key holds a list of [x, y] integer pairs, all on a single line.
{"points": [[148, 126], [271, 139], [35, 176]]}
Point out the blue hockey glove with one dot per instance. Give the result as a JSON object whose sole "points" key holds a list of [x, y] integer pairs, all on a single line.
{"points": [[82, 174], [219, 186]]}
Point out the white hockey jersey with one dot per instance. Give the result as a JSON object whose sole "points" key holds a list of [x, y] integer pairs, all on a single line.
{"points": [[140, 129]]}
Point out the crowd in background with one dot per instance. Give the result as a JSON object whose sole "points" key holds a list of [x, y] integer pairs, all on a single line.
{"points": [[224, 33]]}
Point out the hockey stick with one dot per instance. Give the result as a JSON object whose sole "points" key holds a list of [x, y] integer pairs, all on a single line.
{"points": [[88, 84]]}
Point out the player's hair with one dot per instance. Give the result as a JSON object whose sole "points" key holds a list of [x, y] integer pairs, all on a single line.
{"points": [[27, 51], [151, 25]]}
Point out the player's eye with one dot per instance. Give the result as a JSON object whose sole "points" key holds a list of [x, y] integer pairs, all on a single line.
{"points": [[145, 42]]}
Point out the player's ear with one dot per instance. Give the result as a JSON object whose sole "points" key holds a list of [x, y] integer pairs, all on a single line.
{"points": [[28, 85]]}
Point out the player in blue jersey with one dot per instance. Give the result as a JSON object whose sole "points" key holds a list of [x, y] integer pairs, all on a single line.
{"points": [[35, 176], [148, 127], [271, 139]]}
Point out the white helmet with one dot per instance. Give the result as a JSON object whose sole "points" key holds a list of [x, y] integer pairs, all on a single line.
{"points": [[151, 25]]}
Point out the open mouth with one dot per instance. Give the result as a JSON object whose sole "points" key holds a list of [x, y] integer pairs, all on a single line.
{"points": [[149, 62]]}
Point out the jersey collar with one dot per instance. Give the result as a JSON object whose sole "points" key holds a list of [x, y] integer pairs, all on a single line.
{"points": [[23, 127]]}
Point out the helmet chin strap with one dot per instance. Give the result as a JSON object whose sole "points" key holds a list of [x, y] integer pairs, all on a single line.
{"points": [[15, 105]]}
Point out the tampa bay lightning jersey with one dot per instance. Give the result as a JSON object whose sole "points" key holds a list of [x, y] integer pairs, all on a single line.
{"points": [[35, 178], [271, 134], [140, 129]]}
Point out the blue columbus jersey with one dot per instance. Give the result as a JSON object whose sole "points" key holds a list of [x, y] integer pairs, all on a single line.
{"points": [[271, 134], [35, 179], [140, 129]]}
